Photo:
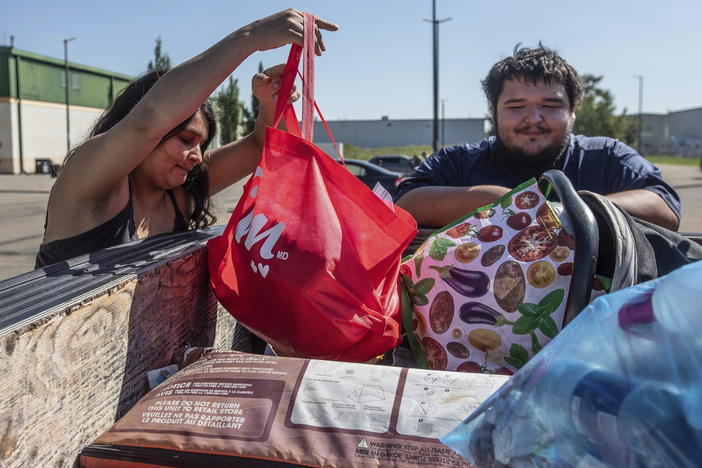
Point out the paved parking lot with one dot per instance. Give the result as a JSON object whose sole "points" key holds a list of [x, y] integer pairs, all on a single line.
{"points": [[23, 207]]}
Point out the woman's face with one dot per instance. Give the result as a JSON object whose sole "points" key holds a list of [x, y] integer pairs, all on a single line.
{"points": [[169, 163]]}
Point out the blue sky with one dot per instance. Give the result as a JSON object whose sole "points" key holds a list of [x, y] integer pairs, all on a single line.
{"points": [[380, 62]]}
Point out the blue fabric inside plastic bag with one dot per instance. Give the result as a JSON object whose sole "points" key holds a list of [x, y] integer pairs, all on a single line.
{"points": [[620, 386]]}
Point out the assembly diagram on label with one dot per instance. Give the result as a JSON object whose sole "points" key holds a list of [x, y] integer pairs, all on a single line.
{"points": [[433, 403], [346, 396]]}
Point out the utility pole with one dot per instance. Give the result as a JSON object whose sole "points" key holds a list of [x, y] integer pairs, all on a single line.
{"points": [[68, 105], [435, 39], [640, 122]]}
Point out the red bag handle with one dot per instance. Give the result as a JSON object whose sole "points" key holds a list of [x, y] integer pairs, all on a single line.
{"points": [[283, 108], [308, 78]]}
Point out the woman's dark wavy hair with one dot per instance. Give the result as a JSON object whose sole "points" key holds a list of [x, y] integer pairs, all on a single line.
{"points": [[531, 66], [196, 184]]}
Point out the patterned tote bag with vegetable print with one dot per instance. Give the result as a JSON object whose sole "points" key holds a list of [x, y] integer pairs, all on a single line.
{"points": [[487, 292]]}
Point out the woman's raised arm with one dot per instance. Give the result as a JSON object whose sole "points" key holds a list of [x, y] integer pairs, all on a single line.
{"points": [[100, 166]]}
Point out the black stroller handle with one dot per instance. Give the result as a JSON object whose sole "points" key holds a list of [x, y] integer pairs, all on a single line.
{"points": [[586, 236]]}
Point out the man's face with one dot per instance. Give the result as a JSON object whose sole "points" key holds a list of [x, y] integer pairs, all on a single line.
{"points": [[533, 120]]}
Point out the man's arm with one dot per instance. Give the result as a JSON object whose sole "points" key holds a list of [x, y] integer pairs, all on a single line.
{"points": [[435, 206], [637, 186], [646, 205]]}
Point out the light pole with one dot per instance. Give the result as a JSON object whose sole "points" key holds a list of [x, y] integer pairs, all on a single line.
{"points": [[68, 102], [640, 122], [435, 35]]}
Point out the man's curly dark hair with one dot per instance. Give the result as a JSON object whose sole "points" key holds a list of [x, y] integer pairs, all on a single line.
{"points": [[531, 66]]}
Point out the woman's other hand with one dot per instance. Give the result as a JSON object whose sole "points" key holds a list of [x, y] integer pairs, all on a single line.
{"points": [[265, 87], [285, 27]]}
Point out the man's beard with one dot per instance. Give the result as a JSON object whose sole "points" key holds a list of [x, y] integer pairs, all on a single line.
{"points": [[549, 156]]}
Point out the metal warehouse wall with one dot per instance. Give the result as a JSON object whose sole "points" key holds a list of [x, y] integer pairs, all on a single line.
{"points": [[32, 98], [43, 82], [8, 114], [43, 133], [41, 78], [388, 132], [686, 123], [5, 72], [44, 130], [654, 129]]}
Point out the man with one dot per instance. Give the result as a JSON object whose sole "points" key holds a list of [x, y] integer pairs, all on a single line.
{"points": [[533, 96]]}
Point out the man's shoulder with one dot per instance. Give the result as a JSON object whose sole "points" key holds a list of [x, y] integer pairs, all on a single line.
{"points": [[594, 143], [469, 150], [609, 153], [481, 146], [600, 144]]}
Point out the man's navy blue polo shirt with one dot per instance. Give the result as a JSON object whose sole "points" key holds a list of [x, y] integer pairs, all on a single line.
{"points": [[598, 164]]}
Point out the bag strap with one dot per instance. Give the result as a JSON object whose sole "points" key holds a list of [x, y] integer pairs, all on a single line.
{"points": [[309, 105], [308, 82], [282, 108]]}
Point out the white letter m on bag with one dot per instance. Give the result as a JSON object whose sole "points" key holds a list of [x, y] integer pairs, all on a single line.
{"points": [[251, 226]]}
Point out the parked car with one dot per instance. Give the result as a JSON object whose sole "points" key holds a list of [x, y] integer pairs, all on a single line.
{"points": [[395, 162], [370, 174]]}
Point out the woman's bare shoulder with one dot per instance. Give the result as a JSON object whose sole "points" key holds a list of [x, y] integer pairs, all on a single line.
{"points": [[70, 213]]}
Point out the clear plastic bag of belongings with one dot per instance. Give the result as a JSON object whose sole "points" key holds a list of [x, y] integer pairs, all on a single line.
{"points": [[236, 409], [621, 385], [487, 292]]}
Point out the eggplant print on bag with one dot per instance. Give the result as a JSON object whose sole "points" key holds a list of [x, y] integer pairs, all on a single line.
{"points": [[469, 283]]}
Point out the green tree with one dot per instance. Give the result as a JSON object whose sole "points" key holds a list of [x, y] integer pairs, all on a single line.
{"points": [[596, 114], [251, 115], [490, 132], [160, 61], [230, 111]]}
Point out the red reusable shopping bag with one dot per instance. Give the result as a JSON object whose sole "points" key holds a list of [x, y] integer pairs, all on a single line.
{"points": [[310, 258]]}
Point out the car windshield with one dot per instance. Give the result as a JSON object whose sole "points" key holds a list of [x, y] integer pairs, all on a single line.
{"points": [[356, 169]]}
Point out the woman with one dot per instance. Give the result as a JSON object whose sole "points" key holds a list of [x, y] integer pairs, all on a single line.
{"points": [[144, 170]]}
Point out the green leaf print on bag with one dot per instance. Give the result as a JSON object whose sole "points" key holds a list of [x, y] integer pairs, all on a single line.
{"points": [[535, 316], [439, 248], [518, 356]]}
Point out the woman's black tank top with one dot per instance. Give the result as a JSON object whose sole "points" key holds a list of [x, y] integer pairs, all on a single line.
{"points": [[115, 231]]}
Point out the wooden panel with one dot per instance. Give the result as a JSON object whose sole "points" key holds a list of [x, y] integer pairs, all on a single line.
{"points": [[66, 379]]}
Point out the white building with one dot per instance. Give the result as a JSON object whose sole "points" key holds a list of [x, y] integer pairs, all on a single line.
{"points": [[401, 132], [33, 133]]}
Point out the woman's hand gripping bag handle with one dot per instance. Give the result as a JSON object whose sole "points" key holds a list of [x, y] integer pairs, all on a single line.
{"points": [[310, 258]]}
